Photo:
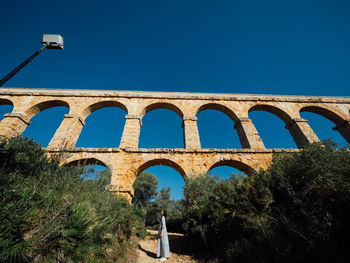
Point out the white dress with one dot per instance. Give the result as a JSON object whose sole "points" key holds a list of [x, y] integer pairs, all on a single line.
{"points": [[163, 249]]}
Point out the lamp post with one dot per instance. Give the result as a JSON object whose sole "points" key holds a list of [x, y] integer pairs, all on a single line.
{"points": [[49, 41]]}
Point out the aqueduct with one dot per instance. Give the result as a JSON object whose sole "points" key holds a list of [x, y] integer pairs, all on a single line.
{"points": [[127, 161]]}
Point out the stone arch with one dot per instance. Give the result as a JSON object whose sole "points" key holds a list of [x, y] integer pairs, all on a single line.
{"points": [[162, 105], [342, 125], [328, 114], [6, 102], [242, 137], [87, 161], [161, 161], [177, 122], [32, 111], [219, 107], [274, 110], [102, 104], [290, 123], [248, 170]]}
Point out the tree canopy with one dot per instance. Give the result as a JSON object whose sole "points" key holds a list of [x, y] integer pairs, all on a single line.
{"points": [[145, 189], [296, 211]]}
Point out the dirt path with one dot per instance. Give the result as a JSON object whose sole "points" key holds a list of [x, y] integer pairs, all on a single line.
{"points": [[147, 252]]}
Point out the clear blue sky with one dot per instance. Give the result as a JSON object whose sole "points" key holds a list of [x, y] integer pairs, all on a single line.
{"points": [[298, 47]]}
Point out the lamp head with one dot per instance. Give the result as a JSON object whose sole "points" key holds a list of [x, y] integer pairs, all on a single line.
{"points": [[52, 41]]}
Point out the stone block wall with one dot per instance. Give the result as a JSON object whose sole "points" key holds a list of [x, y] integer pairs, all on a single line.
{"points": [[127, 161]]}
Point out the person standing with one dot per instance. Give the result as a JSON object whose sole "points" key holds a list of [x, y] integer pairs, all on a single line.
{"points": [[163, 250]]}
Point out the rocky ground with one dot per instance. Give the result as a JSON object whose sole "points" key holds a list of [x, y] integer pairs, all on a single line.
{"points": [[147, 250]]}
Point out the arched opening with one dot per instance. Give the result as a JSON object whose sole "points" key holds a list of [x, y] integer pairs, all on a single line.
{"points": [[236, 167], [87, 161], [45, 122], [100, 105], [93, 169], [330, 115], [168, 177], [32, 111], [161, 128], [6, 106], [159, 186], [225, 172], [216, 127], [162, 105], [103, 128], [165, 162], [271, 123], [322, 122]]}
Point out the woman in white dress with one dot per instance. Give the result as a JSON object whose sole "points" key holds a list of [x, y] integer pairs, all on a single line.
{"points": [[163, 250]]}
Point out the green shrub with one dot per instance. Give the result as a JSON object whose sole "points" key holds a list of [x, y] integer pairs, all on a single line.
{"points": [[296, 211], [48, 213], [152, 203]]}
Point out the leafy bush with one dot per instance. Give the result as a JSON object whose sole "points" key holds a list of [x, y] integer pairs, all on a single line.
{"points": [[48, 213], [152, 203], [145, 189], [296, 211]]}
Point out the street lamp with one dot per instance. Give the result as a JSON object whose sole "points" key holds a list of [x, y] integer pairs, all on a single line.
{"points": [[49, 41]]}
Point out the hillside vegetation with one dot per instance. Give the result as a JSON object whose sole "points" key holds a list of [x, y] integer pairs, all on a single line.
{"points": [[49, 213], [296, 211]]}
